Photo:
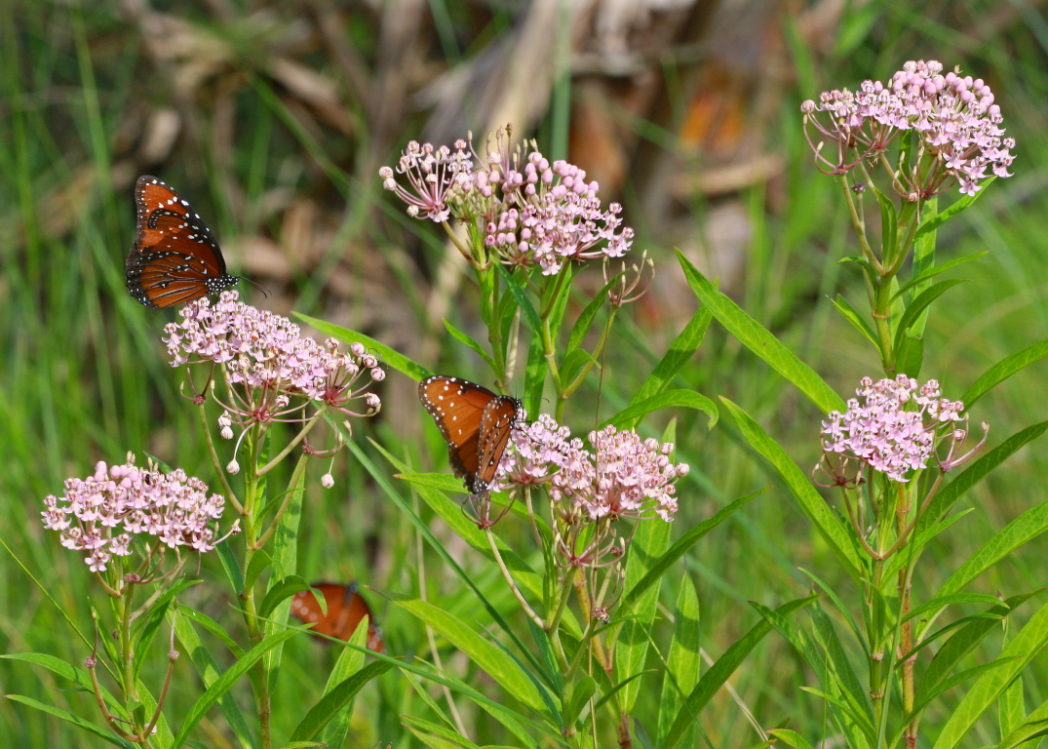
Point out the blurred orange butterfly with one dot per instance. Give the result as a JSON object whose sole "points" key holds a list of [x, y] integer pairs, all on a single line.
{"points": [[345, 609]]}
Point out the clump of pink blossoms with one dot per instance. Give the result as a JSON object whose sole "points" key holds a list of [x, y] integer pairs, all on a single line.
{"points": [[107, 513], [275, 364], [622, 476], [530, 211], [894, 427], [955, 118]]}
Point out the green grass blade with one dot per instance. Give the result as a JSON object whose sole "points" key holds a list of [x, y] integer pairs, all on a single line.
{"points": [[657, 568], [1002, 370], [760, 341], [468, 341], [679, 353], [634, 637], [493, 660], [69, 717], [331, 704], [1030, 525], [811, 503], [719, 673], [975, 472], [679, 398], [226, 681], [387, 355], [683, 661]]}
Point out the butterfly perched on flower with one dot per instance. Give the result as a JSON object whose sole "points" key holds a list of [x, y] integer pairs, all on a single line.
{"points": [[175, 258], [474, 422], [345, 609]]}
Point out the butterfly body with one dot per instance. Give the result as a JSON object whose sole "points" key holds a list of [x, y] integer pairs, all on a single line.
{"points": [[345, 609], [475, 422], [175, 258]]}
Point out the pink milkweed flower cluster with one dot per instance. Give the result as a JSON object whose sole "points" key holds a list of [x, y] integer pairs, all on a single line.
{"points": [[894, 426], [530, 211], [107, 512], [277, 366], [622, 475], [955, 119]]}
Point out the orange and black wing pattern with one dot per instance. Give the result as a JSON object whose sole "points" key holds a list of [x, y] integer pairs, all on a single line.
{"points": [[175, 258]]}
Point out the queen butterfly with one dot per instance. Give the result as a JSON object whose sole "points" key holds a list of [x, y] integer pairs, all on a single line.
{"points": [[175, 258], [345, 608], [475, 423]]}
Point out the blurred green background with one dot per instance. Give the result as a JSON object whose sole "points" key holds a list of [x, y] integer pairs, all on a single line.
{"points": [[273, 118]]}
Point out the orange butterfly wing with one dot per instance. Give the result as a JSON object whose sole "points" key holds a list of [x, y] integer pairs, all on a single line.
{"points": [[474, 422], [175, 258]]}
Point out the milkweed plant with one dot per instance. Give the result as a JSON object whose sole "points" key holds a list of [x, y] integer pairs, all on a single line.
{"points": [[577, 527]]}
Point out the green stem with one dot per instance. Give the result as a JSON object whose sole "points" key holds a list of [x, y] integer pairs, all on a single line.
{"points": [[303, 433], [510, 582], [220, 470], [254, 630]]}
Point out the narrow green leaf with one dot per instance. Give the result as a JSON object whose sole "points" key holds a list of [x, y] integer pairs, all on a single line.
{"points": [[280, 591], [331, 703], [1033, 726], [494, 661], [840, 676], [148, 625], [634, 637], [588, 315], [850, 314], [974, 473], [435, 735], [520, 294], [207, 668], [811, 503], [921, 539], [719, 673], [584, 688], [535, 375], [349, 662], [76, 674], [1002, 370], [889, 222], [1023, 529], [1022, 648], [69, 717], [226, 681], [956, 599], [761, 342], [683, 662], [259, 563], [679, 353], [940, 218], [468, 341], [231, 566], [389, 356], [658, 567], [915, 308], [457, 520], [935, 270], [1011, 707], [967, 633], [212, 626], [790, 738], [573, 363], [285, 560], [678, 398]]}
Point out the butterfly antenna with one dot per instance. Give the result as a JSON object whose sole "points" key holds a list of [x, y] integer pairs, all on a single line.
{"points": [[256, 285]]}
